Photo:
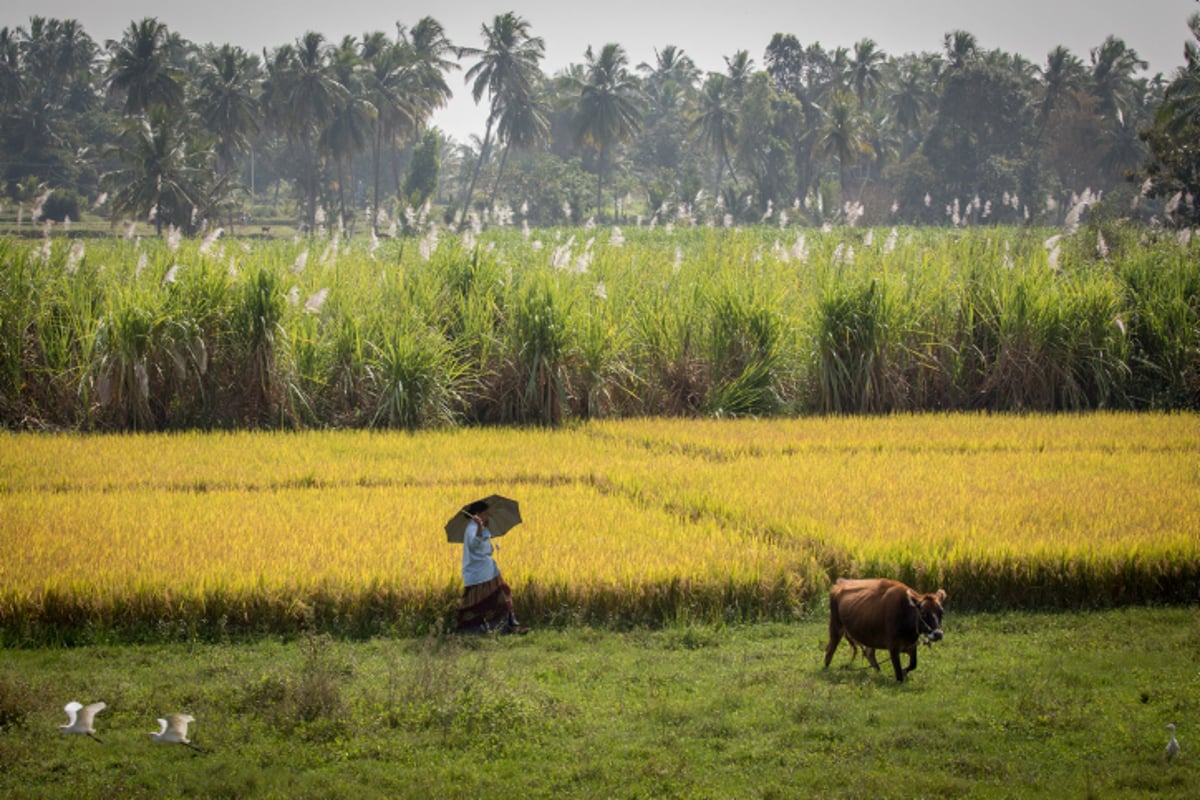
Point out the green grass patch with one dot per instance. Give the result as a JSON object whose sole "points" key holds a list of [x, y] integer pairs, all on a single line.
{"points": [[1008, 705]]}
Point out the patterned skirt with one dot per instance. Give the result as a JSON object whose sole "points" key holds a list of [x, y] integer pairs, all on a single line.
{"points": [[484, 605]]}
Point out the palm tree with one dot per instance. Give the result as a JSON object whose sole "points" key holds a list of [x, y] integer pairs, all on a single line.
{"points": [[609, 106], [911, 97], [1123, 150], [273, 90], [1173, 166], [429, 47], [46, 88], [162, 177], [225, 101], [348, 131], [12, 79], [739, 67], [960, 47], [1181, 101], [787, 64], [842, 135], [672, 75], [716, 121], [1113, 68], [60, 56], [405, 81], [389, 84], [839, 70], [523, 123], [865, 70], [1062, 78], [302, 94], [506, 71], [141, 65]]}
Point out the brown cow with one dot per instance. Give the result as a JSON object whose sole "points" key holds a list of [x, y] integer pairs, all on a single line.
{"points": [[880, 614]]}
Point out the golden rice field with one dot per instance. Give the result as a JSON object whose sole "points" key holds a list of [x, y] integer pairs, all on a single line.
{"points": [[632, 521]]}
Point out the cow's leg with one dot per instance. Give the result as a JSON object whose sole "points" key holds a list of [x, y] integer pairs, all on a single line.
{"points": [[912, 658], [869, 652], [895, 654]]}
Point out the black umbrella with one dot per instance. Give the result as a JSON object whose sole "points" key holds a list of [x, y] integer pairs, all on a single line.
{"points": [[503, 515]]}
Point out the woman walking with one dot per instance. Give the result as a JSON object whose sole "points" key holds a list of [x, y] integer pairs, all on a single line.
{"points": [[486, 603]]}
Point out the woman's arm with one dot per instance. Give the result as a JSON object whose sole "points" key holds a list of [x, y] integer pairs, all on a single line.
{"points": [[476, 537]]}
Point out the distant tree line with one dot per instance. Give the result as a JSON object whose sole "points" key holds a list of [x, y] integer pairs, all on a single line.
{"points": [[154, 127]]}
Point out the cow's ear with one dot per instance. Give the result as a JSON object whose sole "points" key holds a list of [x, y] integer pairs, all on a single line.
{"points": [[941, 595]]}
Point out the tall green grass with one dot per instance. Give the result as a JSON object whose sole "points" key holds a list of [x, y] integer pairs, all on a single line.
{"points": [[572, 324]]}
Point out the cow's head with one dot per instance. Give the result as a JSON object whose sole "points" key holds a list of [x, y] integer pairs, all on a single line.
{"points": [[929, 614]]}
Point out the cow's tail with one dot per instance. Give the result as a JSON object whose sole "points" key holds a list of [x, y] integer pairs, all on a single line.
{"points": [[836, 631]]}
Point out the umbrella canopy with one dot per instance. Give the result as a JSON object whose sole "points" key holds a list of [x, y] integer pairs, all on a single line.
{"points": [[503, 515]]}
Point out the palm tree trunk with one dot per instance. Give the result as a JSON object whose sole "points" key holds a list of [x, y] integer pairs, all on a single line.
{"points": [[732, 174], [341, 169], [487, 138], [225, 169], [499, 175], [376, 156], [310, 187], [599, 186], [843, 178]]}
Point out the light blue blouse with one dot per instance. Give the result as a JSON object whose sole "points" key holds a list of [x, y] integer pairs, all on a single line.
{"points": [[478, 565]]}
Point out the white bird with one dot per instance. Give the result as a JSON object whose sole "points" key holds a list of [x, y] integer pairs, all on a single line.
{"points": [[80, 717], [173, 730], [1173, 745]]}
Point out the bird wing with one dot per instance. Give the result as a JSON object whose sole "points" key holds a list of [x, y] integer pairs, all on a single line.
{"points": [[178, 723], [162, 727], [90, 711], [72, 708]]}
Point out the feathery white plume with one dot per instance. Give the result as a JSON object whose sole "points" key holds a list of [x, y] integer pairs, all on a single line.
{"points": [[211, 239], [314, 303]]}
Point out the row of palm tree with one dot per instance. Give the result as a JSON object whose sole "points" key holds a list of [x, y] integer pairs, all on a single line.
{"points": [[176, 129], [183, 119], [506, 72]]}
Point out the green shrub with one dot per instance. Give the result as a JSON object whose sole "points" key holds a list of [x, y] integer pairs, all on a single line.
{"points": [[62, 204]]}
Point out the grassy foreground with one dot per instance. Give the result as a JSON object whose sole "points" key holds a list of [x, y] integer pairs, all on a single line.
{"points": [[1009, 705]]}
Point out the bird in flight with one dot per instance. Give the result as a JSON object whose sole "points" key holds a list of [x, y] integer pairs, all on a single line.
{"points": [[80, 718], [173, 730]]}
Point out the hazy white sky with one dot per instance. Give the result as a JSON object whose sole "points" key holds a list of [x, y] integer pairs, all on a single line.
{"points": [[706, 30]]}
